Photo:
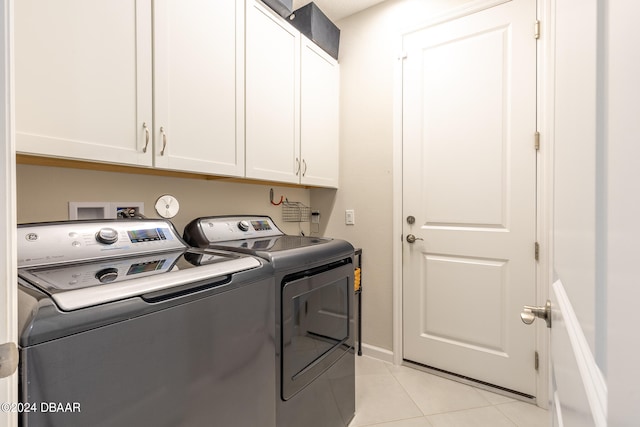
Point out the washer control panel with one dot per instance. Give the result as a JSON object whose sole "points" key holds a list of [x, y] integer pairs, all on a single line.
{"points": [[107, 235], [73, 241], [220, 229]]}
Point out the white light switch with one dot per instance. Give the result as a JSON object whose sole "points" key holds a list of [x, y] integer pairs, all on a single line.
{"points": [[349, 217]]}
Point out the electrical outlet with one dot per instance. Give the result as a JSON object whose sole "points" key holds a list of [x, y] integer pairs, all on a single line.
{"points": [[349, 217]]}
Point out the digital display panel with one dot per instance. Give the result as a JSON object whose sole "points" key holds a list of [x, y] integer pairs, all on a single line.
{"points": [[261, 225], [149, 235]]}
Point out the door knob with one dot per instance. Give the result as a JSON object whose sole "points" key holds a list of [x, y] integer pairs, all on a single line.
{"points": [[530, 313], [411, 238]]}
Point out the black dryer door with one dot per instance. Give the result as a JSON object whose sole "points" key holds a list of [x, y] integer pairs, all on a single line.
{"points": [[315, 332]]}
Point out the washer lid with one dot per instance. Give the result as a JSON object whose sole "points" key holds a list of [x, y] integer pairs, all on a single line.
{"points": [[79, 285], [271, 244]]}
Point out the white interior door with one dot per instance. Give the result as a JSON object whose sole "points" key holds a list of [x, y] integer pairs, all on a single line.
{"points": [[579, 390], [469, 179]]}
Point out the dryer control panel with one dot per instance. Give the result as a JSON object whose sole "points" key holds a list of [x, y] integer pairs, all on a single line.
{"points": [[74, 241], [221, 229]]}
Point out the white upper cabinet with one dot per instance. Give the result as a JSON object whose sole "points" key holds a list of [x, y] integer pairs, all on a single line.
{"points": [[84, 86], [83, 79], [292, 97], [213, 87], [319, 116], [198, 90], [272, 101]]}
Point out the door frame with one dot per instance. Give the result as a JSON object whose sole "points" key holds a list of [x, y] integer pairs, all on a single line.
{"points": [[8, 258], [544, 113]]}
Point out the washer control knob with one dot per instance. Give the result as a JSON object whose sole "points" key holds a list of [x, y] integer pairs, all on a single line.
{"points": [[107, 275], [243, 225], [106, 235]]}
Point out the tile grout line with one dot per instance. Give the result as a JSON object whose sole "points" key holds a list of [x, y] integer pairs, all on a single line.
{"points": [[506, 415], [390, 374], [406, 391], [475, 390]]}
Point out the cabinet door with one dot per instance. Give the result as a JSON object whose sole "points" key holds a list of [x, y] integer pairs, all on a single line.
{"points": [[83, 79], [198, 91], [272, 101], [319, 116]]}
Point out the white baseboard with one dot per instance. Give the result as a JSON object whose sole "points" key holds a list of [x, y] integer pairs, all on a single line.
{"points": [[377, 352]]}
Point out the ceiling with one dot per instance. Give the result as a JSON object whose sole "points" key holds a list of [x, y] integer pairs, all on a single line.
{"points": [[338, 9]]}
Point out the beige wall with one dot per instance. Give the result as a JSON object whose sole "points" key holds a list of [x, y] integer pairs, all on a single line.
{"points": [[43, 194], [369, 48]]}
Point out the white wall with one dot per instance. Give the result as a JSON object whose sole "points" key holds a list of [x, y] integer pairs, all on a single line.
{"points": [[622, 128], [369, 48]]}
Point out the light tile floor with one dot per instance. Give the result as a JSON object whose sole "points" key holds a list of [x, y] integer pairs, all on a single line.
{"points": [[398, 396]]}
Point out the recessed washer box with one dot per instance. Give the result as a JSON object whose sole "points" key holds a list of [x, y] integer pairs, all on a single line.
{"points": [[102, 210]]}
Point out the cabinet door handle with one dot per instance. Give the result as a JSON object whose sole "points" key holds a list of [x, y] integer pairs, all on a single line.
{"points": [[304, 163], [164, 140], [297, 166], [147, 136]]}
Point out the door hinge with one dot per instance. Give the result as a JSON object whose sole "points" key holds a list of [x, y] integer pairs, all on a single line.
{"points": [[536, 30], [536, 363], [536, 140], [537, 251]]}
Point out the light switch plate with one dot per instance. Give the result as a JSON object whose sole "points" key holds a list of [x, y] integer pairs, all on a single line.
{"points": [[349, 217]]}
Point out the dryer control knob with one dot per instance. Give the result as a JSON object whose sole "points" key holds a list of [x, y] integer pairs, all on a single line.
{"points": [[107, 275], [106, 235], [243, 225]]}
